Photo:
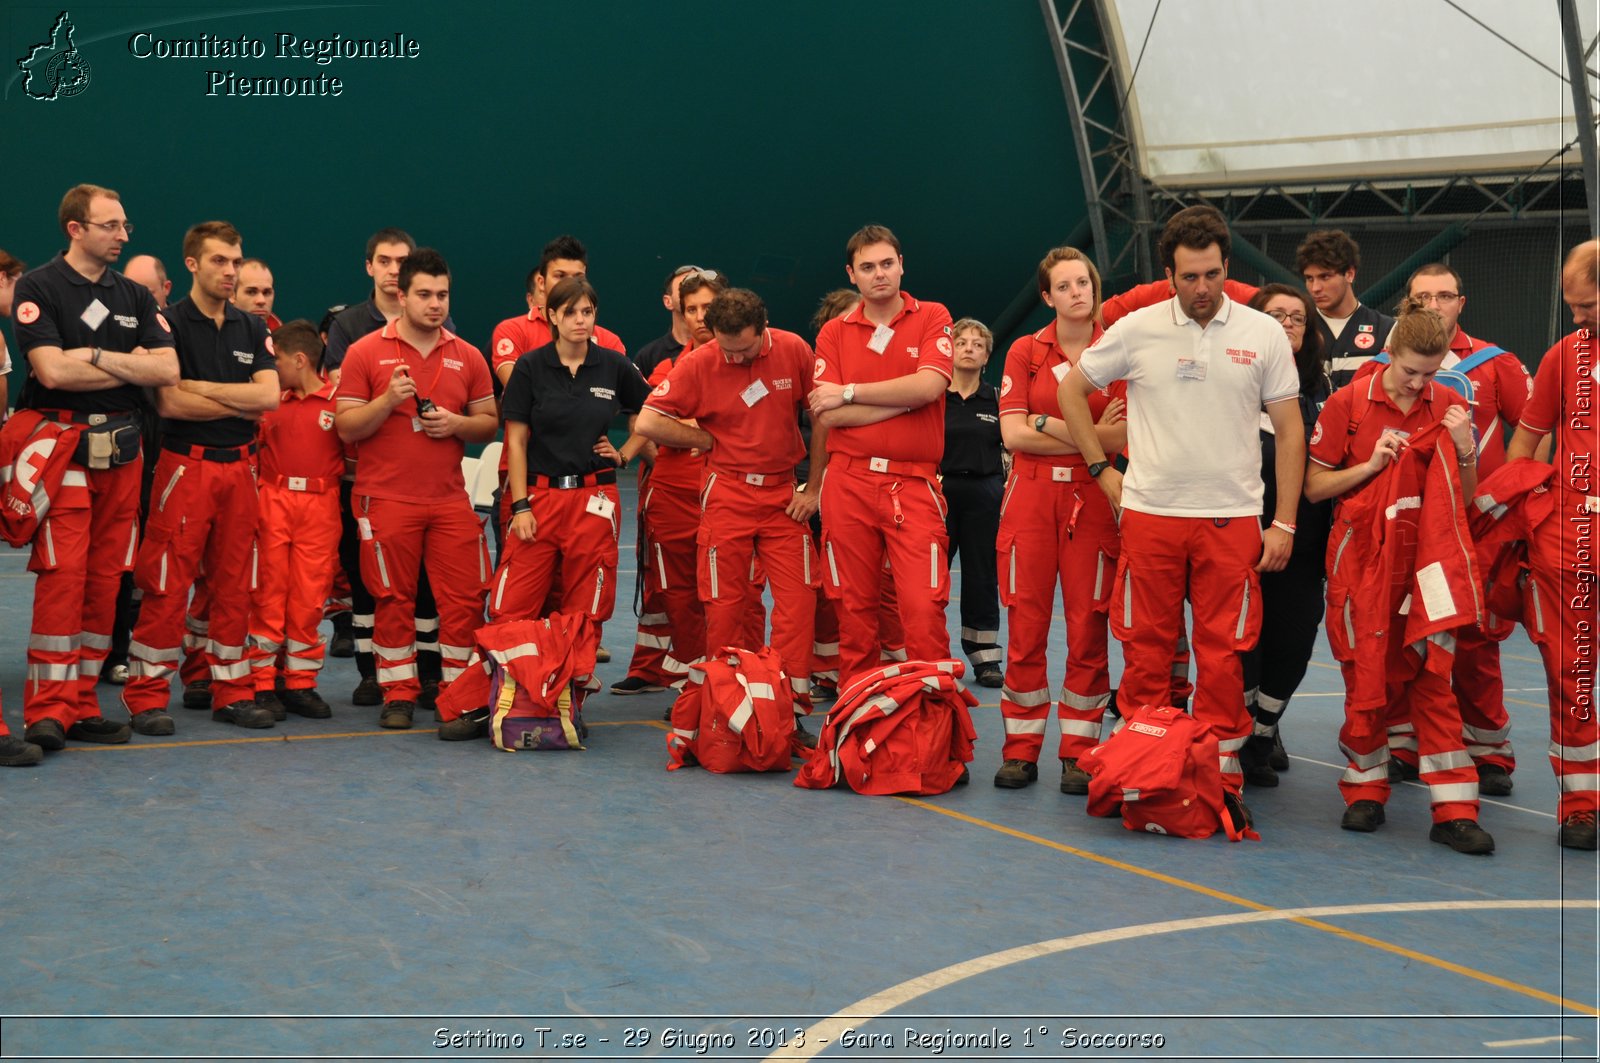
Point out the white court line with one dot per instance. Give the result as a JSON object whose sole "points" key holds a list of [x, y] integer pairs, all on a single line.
{"points": [[1527, 1041], [820, 1035], [1424, 786]]}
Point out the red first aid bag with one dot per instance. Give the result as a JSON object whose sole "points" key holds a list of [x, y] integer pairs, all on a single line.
{"points": [[528, 673], [901, 729], [1161, 767], [736, 713]]}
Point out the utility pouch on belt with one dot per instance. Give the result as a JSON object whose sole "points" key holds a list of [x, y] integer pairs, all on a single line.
{"points": [[107, 446]]}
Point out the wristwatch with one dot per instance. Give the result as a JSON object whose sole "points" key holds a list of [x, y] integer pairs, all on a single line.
{"points": [[1039, 422], [849, 394], [1096, 468]]}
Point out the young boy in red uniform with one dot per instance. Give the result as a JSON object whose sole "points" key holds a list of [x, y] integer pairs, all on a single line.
{"points": [[297, 538]]}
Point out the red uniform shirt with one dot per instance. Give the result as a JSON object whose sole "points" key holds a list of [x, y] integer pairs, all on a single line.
{"points": [[1563, 402], [1500, 389], [750, 409], [920, 340], [1355, 418], [298, 438], [398, 460], [528, 332], [675, 466], [1035, 366]]}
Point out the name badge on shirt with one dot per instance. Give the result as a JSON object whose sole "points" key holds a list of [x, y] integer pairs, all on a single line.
{"points": [[881, 336], [416, 424], [600, 506], [94, 314], [1191, 369], [1061, 371], [754, 393]]}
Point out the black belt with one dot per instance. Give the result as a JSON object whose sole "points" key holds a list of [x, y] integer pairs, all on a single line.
{"points": [[218, 454], [569, 483], [93, 420]]}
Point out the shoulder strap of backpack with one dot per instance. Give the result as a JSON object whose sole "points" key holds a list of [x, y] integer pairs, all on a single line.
{"points": [[1477, 358]]}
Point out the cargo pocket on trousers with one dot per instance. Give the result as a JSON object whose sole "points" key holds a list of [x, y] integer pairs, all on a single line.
{"points": [[830, 570], [1247, 626], [1122, 614], [161, 553], [1005, 559]]}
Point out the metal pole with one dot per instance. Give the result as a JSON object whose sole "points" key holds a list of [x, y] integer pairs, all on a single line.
{"points": [[1572, 37]]}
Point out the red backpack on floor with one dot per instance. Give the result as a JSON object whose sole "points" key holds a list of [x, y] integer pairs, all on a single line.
{"points": [[1161, 767], [902, 729], [736, 713], [525, 672]]}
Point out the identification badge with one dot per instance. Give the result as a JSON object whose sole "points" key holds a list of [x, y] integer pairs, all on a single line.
{"points": [[600, 506], [1191, 369], [94, 314], [754, 393], [881, 336], [365, 527], [416, 424], [1591, 504], [1061, 371]]}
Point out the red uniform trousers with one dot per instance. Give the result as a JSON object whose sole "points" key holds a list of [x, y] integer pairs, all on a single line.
{"points": [[569, 542], [1215, 559], [671, 518], [653, 659], [397, 536], [202, 518], [1427, 700], [552, 600], [870, 518], [744, 525], [196, 627], [85, 544], [1481, 695], [1052, 529], [1563, 624], [297, 547]]}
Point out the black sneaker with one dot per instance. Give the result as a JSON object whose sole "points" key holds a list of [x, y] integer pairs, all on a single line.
{"points": [[1074, 780], [1279, 760], [46, 734], [1493, 780], [635, 685], [802, 737], [197, 695], [823, 689], [602, 655], [244, 714], [307, 703], [1402, 771], [1255, 761], [100, 730], [396, 715], [965, 776], [269, 700], [989, 675], [1363, 816], [1578, 831], [15, 753], [156, 722], [1462, 835], [367, 692], [429, 698], [467, 726], [1015, 774]]}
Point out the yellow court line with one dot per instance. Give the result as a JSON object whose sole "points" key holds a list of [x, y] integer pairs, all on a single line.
{"points": [[259, 739], [1229, 898], [1530, 704]]}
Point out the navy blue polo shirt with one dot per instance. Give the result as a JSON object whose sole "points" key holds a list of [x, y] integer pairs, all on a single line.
{"points": [[56, 306], [972, 433], [661, 349], [568, 413], [232, 354]]}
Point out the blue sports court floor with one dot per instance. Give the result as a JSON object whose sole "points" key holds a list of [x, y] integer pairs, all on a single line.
{"points": [[327, 890]]}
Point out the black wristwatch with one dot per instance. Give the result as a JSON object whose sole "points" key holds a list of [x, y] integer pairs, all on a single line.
{"points": [[1098, 467], [1039, 422]]}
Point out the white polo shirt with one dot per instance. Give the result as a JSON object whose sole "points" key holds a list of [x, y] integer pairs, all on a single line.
{"points": [[1194, 405]]}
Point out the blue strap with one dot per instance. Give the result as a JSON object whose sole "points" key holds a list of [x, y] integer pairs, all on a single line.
{"points": [[1477, 358]]}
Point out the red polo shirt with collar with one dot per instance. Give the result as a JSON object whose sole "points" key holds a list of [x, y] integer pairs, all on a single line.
{"points": [[748, 408], [920, 340], [399, 460]]}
